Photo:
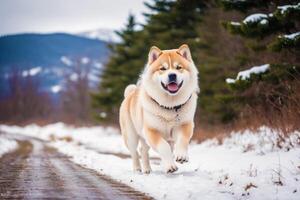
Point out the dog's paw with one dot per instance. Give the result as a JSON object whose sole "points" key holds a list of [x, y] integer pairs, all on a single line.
{"points": [[137, 170], [147, 171], [181, 157], [171, 168]]}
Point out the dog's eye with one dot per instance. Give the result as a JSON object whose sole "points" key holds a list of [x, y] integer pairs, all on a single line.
{"points": [[163, 69], [178, 67]]}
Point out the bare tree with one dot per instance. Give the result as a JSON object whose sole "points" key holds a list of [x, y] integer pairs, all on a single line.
{"points": [[25, 101], [75, 96]]}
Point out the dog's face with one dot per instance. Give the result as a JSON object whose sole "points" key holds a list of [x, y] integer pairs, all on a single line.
{"points": [[171, 70]]}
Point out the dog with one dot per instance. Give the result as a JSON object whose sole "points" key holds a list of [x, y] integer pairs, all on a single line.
{"points": [[159, 110]]}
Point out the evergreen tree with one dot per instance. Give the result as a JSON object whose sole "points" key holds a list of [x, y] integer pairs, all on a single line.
{"points": [[174, 23], [274, 27]]}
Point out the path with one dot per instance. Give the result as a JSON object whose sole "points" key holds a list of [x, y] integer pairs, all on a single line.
{"points": [[36, 171]]}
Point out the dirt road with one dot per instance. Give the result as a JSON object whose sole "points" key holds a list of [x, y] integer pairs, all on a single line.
{"points": [[36, 171]]}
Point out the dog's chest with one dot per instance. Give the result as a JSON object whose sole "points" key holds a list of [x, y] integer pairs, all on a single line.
{"points": [[170, 118]]}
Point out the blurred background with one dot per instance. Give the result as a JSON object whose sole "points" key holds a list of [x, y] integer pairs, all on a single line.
{"points": [[71, 60]]}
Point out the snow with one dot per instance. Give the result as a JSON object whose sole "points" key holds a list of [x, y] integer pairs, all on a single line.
{"points": [[107, 35], [98, 65], [32, 72], [74, 77], [230, 80], [25, 73], [93, 77], [7, 145], [243, 75], [35, 71], [284, 8], [103, 114], [100, 138], [235, 23], [65, 60], [247, 165], [264, 21], [292, 36], [263, 141], [85, 60], [254, 70], [255, 18], [56, 88]]}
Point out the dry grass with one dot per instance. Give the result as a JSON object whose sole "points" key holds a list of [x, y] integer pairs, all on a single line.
{"points": [[54, 138], [249, 186], [66, 138], [279, 108], [204, 133]]}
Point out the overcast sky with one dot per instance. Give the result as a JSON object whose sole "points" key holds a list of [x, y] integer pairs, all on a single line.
{"points": [[72, 16]]}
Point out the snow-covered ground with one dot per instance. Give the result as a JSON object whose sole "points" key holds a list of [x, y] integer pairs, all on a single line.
{"points": [[98, 138], [7, 145], [260, 165]]}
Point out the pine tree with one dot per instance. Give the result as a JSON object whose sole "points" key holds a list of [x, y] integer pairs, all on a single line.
{"points": [[174, 23], [273, 28]]}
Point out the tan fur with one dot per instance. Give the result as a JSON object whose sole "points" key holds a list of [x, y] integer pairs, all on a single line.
{"points": [[187, 130], [144, 121], [170, 57], [154, 136]]}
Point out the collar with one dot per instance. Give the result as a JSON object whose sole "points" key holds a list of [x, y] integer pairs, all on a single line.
{"points": [[176, 108]]}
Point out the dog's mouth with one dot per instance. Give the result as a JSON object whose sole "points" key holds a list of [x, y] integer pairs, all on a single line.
{"points": [[172, 87]]}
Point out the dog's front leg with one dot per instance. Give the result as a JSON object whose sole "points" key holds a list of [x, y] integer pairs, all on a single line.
{"points": [[183, 134], [161, 146]]}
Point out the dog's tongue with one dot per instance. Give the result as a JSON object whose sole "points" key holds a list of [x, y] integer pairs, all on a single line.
{"points": [[173, 87]]}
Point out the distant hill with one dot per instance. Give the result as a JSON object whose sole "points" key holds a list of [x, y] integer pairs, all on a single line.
{"points": [[47, 56], [47, 49]]}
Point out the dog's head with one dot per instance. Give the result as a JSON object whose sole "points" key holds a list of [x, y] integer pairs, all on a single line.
{"points": [[170, 72]]}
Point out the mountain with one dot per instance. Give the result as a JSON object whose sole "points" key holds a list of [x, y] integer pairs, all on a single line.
{"points": [[107, 35], [48, 56], [47, 49]]}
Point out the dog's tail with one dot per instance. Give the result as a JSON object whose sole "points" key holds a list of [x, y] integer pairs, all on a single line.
{"points": [[129, 89]]}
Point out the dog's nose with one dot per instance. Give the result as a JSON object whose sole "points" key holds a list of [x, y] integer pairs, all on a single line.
{"points": [[172, 77]]}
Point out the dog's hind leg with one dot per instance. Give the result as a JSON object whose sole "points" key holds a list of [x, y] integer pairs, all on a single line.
{"points": [[130, 138], [144, 151], [132, 144]]}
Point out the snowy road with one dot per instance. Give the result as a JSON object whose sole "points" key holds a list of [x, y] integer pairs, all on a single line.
{"points": [[36, 171]]}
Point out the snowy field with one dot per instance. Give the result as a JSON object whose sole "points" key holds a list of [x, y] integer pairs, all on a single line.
{"points": [[261, 165], [7, 145]]}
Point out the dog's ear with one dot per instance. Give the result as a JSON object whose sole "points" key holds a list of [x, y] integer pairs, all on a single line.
{"points": [[154, 53], [185, 52]]}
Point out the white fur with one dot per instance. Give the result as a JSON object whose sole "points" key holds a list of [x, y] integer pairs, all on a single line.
{"points": [[148, 114]]}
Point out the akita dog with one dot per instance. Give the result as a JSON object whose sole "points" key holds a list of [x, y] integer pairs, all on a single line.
{"points": [[160, 108]]}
